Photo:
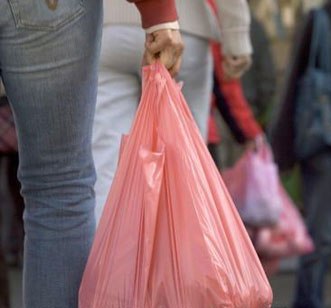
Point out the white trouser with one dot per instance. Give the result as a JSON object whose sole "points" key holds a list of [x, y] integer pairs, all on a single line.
{"points": [[119, 92]]}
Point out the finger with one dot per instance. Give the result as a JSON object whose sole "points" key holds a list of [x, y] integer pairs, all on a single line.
{"points": [[230, 77], [235, 72], [230, 74], [236, 75], [228, 70], [149, 37], [240, 71], [227, 76], [160, 42], [238, 61], [225, 71], [175, 69], [245, 63], [168, 58], [231, 60], [148, 58]]}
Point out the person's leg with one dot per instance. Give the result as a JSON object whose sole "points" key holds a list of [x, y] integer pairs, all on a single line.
{"points": [[48, 59], [4, 283], [7, 210], [118, 96], [313, 267], [15, 207], [197, 75]]}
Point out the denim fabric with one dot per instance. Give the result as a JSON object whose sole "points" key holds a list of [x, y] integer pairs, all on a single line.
{"points": [[48, 59], [313, 267]]}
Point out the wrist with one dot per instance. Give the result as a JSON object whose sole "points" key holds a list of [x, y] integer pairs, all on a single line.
{"points": [[174, 25]]}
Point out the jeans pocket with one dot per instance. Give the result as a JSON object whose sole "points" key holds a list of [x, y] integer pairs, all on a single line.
{"points": [[45, 15]]}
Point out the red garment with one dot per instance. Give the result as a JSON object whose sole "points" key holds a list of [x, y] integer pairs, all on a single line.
{"points": [[214, 136], [231, 102], [229, 98], [154, 12]]}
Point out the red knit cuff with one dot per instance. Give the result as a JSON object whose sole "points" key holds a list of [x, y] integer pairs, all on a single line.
{"points": [[252, 130], [154, 12]]}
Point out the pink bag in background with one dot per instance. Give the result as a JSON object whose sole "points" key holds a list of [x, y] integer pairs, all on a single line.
{"points": [[253, 185], [289, 237], [170, 235]]}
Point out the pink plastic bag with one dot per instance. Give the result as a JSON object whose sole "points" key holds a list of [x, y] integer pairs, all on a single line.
{"points": [[253, 185], [289, 237], [170, 235]]}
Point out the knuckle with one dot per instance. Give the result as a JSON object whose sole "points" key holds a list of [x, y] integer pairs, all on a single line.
{"points": [[168, 39]]}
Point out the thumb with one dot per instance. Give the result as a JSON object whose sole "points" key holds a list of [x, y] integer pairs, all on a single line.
{"points": [[148, 58]]}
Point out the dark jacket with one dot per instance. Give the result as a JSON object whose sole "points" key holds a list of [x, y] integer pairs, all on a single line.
{"points": [[259, 83], [282, 131]]}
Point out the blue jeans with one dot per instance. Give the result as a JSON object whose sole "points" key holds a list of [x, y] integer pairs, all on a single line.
{"points": [[313, 267], [48, 60]]}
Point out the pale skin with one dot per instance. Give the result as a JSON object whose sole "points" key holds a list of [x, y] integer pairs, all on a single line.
{"points": [[167, 46], [234, 67]]}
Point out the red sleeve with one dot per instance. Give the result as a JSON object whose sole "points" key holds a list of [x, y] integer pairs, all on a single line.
{"points": [[232, 103], [154, 12], [214, 137]]}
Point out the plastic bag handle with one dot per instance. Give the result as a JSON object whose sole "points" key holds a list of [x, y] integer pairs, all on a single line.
{"points": [[263, 149]]}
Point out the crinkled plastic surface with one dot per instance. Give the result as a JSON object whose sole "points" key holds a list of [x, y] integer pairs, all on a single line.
{"points": [[170, 235], [253, 185]]}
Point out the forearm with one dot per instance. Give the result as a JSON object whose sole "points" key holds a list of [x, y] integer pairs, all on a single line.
{"points": [[235, 19], [232, 104], [156, 12]]}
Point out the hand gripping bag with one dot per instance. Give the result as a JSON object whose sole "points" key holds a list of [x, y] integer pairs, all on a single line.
{"points": [[253, 185], [170, 235]]}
